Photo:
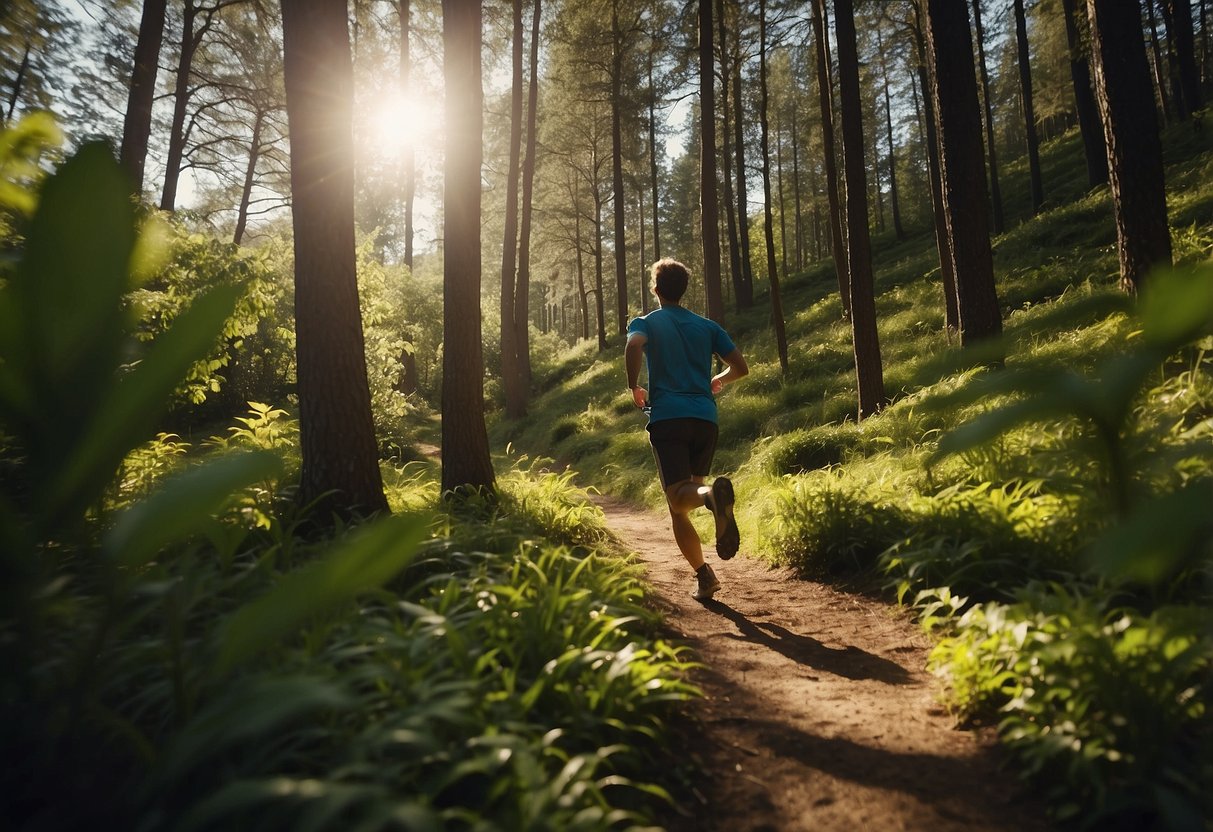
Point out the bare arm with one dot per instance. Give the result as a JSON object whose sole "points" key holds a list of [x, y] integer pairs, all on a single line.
{"points": [[633, 358], [736, 369]]}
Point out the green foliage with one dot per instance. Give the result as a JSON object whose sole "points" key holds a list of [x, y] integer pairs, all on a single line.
{"points": [[173, 661], [1107, 708]]}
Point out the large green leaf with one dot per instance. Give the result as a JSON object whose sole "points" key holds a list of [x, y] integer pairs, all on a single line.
{"points": [[1160, 537], [365, 560], [131, 408], [1177, 306], [184, 504]]}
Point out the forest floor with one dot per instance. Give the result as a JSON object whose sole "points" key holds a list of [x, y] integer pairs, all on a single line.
{"points": [[818, 712]]}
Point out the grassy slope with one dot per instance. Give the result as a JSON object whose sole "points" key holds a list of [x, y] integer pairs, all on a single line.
{"points": [[772, 425]]}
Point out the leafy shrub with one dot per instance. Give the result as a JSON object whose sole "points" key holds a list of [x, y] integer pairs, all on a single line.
{"points": [[1106, 709]]}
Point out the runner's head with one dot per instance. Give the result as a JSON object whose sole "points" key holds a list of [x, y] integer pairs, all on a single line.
{"points": [[670, 279]]}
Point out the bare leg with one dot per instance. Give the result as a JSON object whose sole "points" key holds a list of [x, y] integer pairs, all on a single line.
{"points": [[682, 498]]}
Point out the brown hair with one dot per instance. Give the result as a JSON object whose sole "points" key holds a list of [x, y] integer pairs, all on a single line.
{"points": [[670, 279]]}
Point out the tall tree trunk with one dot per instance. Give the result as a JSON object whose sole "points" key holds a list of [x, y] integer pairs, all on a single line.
{"points": [[963, 191], [1160, 82], [781, 338], [709, 216], [621, 255], [868, 368], [181, 98], [18, 84], [888, 120], [938, 209], [409, 154], [825, 96], [340, 472], [653, 165], [137, 126], [511, 378], [250, 176], [745, 294], [801, 245], [1122, 86], [1029, 112], [782, 200], [991, 152], [582, 293], [1182, 45], [1084, 97], [601, 310], [522, 288], [726, 153], [465, 445]]}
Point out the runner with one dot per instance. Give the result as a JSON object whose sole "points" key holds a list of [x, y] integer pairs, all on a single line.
{"points": [[678, 346]]}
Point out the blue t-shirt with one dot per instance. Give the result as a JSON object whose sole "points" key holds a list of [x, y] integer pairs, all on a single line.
{"points": [[678, 350]]}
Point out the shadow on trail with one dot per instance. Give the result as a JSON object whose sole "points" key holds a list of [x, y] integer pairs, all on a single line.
{"points": [[848, 662]]}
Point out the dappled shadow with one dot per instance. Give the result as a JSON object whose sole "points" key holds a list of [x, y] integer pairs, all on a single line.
{"points": [[848, 662]]}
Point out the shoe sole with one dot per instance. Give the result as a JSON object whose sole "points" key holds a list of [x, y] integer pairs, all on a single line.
{"points": [[728, 538]]}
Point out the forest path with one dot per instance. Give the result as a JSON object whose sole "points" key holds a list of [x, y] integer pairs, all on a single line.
{"points": [[818, 712]]}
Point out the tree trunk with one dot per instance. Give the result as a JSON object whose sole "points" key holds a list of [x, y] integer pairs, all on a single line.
{"points": [[181, 97], [783, 202], [1182, 45], [1084, 97], [621, 255], [582, 293], [963, 192], [709, 212], [781, 338], [511, 378], [745, 294], [801, 244], [250, 175], [18, 84], [938, 209], [888, 120], [522, 288], [340, 471], [1160, 83], [601, 310], [408, 156], [1122, 86], [1029, 112], [465, 445], [868, 368], [653, 166], [726, 152], [991, 153], [137, 126], [825, 96]]}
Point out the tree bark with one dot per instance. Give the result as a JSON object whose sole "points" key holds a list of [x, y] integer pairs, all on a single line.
{"points": [[781, 338], [888, 120], [963, 191], [522, 289], [465, 446], [1182, 44], [868, 369], [1029, 112], [745, 294], [709, 215], [340, 471], [801, 243], [137, 126], [991, 152], [782, 199], [250, 175], [621, 255], [1084, 97], [938, 209], [653, 166], [1160, 83], [1122, 86], [511, 378], [825, 96], [408, 156], [726, 152]]}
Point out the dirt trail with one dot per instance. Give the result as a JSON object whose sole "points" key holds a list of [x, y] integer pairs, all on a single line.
{"points": [[819, 714]]}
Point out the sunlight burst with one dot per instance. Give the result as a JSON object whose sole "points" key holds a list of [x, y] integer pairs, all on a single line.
{"points": [[398, 123]]}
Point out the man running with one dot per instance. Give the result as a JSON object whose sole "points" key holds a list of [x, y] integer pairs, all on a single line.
{"points": [[678, 346]]}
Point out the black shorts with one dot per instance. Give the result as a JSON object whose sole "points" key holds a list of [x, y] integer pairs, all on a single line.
{"points": [[683, 448]]}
